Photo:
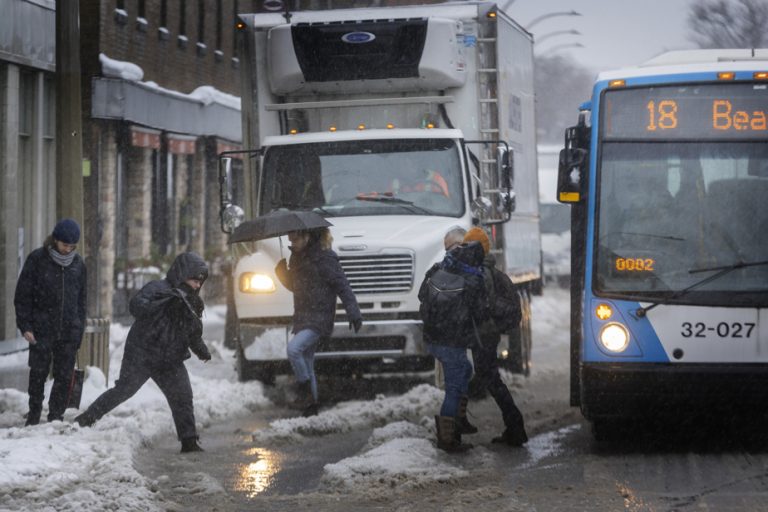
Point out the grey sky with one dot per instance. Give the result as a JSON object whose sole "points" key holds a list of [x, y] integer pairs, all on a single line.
{"points": [[615, 33]]}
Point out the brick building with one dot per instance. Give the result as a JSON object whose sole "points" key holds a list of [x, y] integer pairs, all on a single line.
{"points": [[160, 87]]}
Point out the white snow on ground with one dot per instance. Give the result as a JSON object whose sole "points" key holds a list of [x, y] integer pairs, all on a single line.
{"points": [[59, 466]]}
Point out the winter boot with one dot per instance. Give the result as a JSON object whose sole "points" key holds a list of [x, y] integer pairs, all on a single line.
{"points": [[448, 437], [85, 419], [304, 398], [462, 423], [311, 410], [189, 444], [33, 418], [514, 434]]}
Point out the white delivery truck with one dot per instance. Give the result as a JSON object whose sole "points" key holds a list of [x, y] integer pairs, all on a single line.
{"points": [[396, 124]]}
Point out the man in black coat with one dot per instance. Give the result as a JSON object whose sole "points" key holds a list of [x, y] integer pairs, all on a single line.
{"points": [[168, 325], [50, 313]]}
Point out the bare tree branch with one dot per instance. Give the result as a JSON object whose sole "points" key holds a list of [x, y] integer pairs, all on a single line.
{"points": [[729, 23]]}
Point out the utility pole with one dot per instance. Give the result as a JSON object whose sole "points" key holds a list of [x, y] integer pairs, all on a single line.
{"points": [[69, 140]]}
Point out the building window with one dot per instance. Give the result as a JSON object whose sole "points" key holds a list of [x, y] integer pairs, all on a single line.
{"points": [[141, 18], [219, 20], [182, 38], [162, 31], [121, 15], [202, 48]]}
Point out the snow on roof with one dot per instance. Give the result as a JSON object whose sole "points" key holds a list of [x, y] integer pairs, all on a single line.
{"points": [[691, 61], [205, 94]]}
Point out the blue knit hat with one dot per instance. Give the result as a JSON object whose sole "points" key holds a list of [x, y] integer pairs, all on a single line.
{"points": [[67, 231]]}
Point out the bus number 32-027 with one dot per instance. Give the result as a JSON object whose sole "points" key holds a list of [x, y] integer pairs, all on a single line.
{"points": [[722, 330]]}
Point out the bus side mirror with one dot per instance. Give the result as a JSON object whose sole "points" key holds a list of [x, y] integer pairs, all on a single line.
{"points": [[230, 214], [570, 175]]}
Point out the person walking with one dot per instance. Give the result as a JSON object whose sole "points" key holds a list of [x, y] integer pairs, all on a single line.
{"points": [[504, 305], [50, 304], [316, 278], [453, 302], [167, 326]]}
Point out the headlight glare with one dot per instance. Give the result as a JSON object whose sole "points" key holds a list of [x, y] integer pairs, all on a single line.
{"points": [[251, 282], [614, 337]]}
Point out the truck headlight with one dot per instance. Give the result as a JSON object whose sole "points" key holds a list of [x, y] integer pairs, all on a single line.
{"points": [[251, 282], [614, 337]]}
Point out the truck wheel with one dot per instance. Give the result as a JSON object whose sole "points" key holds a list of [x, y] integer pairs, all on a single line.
{"points": [[520, 341], [231, 324]]}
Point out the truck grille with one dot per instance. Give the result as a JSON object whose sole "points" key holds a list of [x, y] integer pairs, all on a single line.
{"points": [[379, 273]]}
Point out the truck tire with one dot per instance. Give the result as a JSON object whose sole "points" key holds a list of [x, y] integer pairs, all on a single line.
{"points": [[520, 341]]}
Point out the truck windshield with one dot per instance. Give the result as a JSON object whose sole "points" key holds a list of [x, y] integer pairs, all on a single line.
{"points": [[365, 177], [668, 209]]}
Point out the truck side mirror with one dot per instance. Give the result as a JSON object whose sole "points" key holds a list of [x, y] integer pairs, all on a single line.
{"points": [[230, 214], [505, 168], [570, 175]]}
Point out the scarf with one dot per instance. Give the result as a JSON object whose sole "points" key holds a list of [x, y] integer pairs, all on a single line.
{"points": [[61, 259]]}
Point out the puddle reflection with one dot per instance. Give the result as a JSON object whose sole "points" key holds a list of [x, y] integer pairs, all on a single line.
{"points": [[254, 478]]}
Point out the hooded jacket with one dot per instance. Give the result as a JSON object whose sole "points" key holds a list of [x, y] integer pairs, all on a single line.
{"points": [[168, 319], [50, 299], [465, 260], [316, 278], [503, 303]]}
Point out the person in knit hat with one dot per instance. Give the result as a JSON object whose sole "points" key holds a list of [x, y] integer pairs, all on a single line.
{"points": [[506, 313], [50, 303]]}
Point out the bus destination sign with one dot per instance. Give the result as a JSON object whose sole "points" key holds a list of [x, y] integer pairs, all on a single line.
{"points": [[713, 111]]}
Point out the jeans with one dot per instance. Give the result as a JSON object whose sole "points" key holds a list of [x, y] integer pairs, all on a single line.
{"points": [[301, 354], [457, 370]]}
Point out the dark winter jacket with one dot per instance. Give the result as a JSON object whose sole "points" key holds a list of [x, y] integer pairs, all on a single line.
{"points": [[465, 260], [50, 299], [316, 278], [503, 302], [167, 314]]}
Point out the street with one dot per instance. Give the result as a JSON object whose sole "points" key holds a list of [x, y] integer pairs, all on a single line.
{"points": [[694, 467]]}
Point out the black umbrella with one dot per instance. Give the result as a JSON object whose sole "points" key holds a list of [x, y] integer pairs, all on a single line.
{"points": [[277, 223]]}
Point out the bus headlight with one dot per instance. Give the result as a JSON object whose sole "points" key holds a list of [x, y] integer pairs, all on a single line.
{"points": [[251, 282], [614, 337]]}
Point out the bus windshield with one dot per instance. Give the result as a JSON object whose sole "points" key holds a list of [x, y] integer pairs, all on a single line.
{"points": [[668, 209], [365, 177]]}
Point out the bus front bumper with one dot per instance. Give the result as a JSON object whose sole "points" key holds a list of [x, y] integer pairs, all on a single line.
{"points": [[636, 390]]}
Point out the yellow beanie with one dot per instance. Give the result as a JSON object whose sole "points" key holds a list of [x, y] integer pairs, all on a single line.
{"points": [[477, 234]]}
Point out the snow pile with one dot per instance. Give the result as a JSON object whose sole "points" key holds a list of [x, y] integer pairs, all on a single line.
{"points": [[420, 402], [403, 461], [60, 466]]}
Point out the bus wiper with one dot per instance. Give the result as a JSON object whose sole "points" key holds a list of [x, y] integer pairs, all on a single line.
{"points": [[389, 198], [649, 235], [720, 272]]}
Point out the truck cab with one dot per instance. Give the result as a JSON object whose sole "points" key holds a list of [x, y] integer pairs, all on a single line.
{"points": [[395, 124]]}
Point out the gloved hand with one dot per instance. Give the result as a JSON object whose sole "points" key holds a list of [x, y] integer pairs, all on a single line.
{"points": [[355, 324], [282, 266], [204, 356]]}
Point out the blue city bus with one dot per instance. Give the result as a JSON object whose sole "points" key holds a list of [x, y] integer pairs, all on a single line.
{"points": [[667, 176]]}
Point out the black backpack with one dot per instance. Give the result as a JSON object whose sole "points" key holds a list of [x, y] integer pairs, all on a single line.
{"points": [[444, 309]]}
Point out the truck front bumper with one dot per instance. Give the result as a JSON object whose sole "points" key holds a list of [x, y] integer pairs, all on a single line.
{"points": [[379, 346]]}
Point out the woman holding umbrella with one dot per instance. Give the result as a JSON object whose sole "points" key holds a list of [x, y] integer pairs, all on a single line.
{"points": [[316, 278]]}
